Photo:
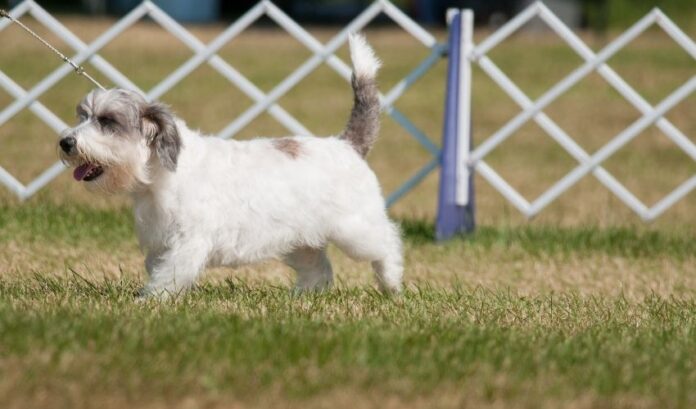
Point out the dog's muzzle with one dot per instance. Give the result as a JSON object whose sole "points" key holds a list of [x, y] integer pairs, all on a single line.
{"points": [[86, 171]]}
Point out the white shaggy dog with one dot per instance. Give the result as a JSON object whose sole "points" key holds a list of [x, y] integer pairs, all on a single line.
{"points": [[208, 202]]}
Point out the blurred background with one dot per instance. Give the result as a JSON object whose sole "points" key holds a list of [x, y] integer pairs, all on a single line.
{"points": [[592, 112], [595, 14]]}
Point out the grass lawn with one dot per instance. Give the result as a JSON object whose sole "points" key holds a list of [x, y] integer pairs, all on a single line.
{"points": [[510, 317], [74, 343], [583, 307]]}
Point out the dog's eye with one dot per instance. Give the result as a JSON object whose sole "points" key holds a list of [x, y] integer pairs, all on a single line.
{"points": [[105, 121]]}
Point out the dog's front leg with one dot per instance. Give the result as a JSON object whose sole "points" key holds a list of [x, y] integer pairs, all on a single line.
{"points": [[173, 271]]}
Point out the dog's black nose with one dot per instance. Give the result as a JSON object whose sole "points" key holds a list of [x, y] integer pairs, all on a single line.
{"points": [[67, 143]]}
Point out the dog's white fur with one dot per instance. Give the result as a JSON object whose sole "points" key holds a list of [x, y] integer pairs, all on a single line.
{"points": [[228, 203]]}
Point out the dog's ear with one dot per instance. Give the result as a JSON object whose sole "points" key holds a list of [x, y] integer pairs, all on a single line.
{"points": [[161, 133]]}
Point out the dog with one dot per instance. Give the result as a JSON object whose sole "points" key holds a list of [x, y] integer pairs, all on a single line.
{"points": [[203, 201]]}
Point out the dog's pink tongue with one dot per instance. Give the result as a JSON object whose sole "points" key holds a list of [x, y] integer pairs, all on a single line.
{"points": [[82, 170]]}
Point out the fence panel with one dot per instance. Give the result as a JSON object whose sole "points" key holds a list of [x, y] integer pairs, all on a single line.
{"points": [[207, 53], [533, 110], [473, 160]]}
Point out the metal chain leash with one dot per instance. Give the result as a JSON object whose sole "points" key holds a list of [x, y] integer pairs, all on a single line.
{"points": [[78, 68]]}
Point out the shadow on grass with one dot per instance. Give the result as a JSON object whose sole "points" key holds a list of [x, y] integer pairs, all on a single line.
{"points": [[545, 239]]}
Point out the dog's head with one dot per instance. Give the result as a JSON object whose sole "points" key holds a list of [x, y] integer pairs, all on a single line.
{"points": [[121, 139]]}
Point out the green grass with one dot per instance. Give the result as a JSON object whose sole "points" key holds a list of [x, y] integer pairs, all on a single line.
{"points": [[72, 225], [232, 339]]}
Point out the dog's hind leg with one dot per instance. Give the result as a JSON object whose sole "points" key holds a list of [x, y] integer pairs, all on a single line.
{"points": [[377, 241], [389, 267], [313, 268]]}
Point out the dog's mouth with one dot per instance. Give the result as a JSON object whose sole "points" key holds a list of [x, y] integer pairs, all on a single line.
{"points": [[87, 172]]}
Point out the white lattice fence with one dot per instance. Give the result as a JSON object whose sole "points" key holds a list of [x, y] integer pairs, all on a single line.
{"points": [[533, 110], [325, 53], [207, 53]]}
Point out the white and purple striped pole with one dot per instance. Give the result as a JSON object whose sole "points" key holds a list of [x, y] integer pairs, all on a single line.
{"points": [[455, 212]]}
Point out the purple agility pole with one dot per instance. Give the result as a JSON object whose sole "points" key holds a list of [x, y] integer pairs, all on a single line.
{"points": [[453, 219]]}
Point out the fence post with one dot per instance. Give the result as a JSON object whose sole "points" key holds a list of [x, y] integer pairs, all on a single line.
{"points": [[456, 210]]}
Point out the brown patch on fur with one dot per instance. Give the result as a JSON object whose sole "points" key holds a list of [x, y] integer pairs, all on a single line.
{"points": [[289, 146]]}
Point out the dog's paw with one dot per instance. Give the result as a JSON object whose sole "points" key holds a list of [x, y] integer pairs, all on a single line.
{"points": [[151, 294]]}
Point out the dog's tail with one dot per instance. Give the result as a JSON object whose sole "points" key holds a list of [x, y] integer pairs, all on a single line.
{"points": [[363, 125]]}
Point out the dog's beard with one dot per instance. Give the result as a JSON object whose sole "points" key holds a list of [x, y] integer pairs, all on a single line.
{"points": [[116, 179], [114, 172]]}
